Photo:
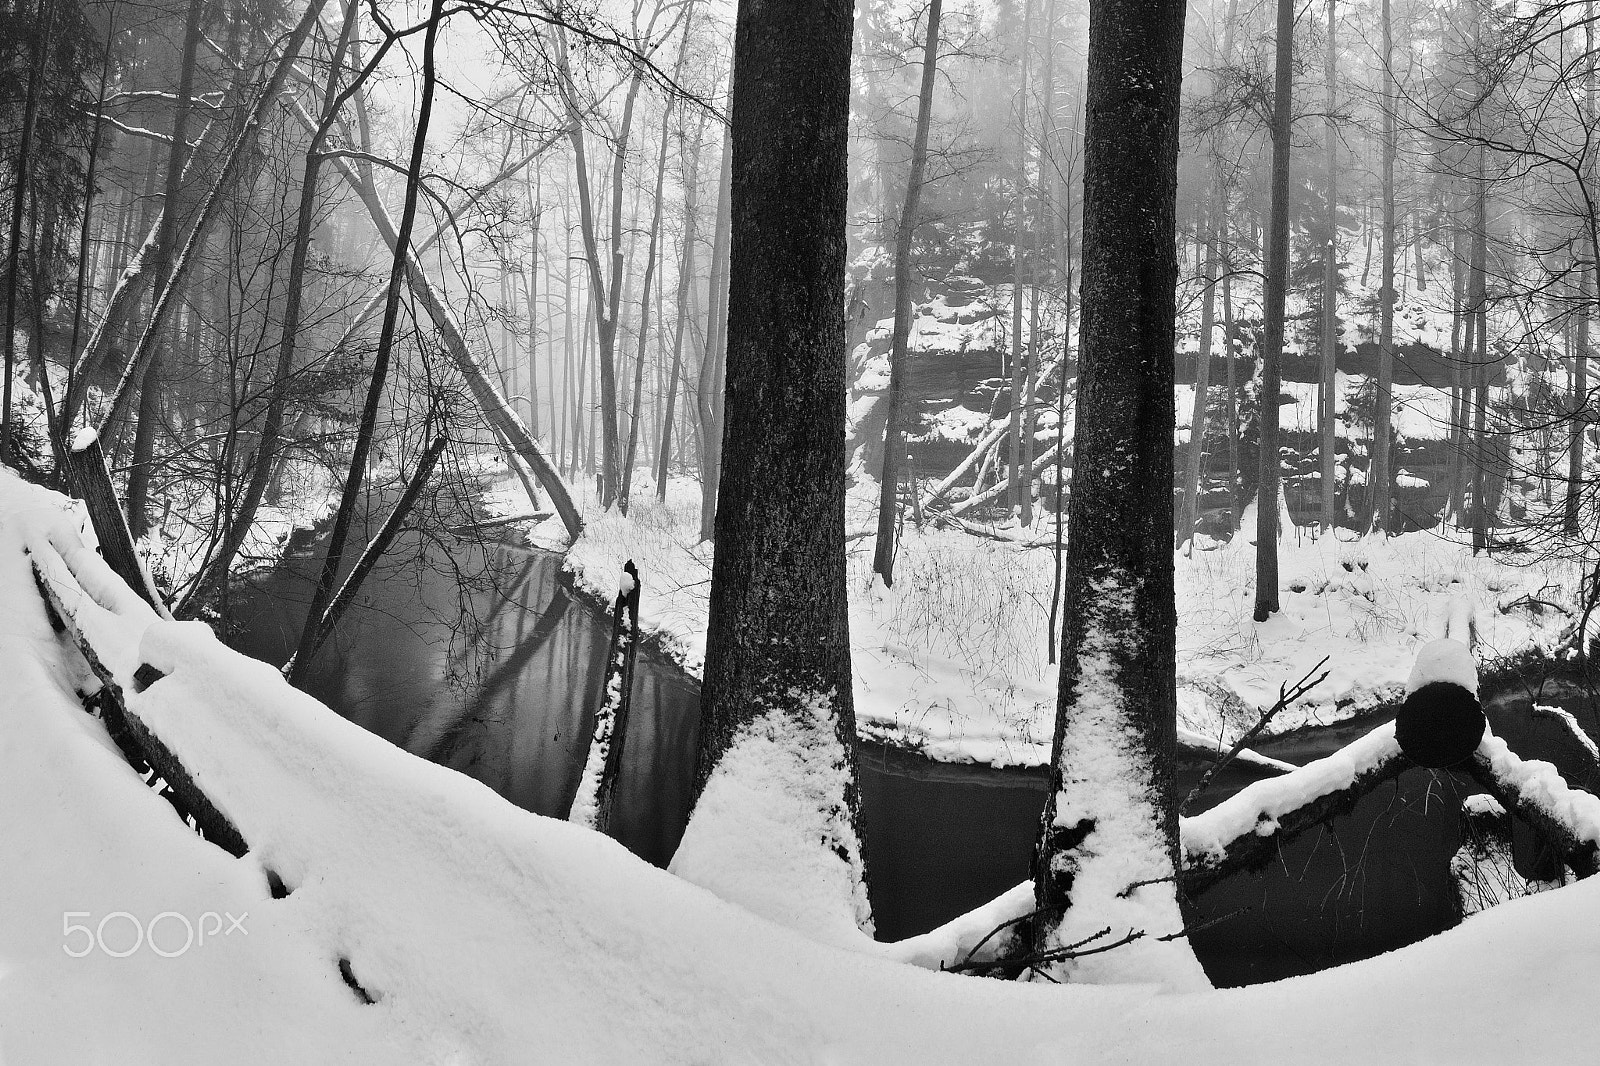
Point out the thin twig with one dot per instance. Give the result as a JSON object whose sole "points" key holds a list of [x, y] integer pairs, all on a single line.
{"points": [[1286, 696]]}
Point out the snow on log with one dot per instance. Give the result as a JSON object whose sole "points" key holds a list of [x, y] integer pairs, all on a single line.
{"points": [[591, 806], [1440, 723], [1568, 818], [1244, 830], [105, 629]]}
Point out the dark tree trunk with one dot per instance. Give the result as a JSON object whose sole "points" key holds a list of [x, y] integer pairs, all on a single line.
{"points": [[1115, 733], [1015, 499], [265, 462], [778, 643], [1327, 414], [1478, 294], [1380, 473], [166, 240], [350, 497], [714, 359], [686, 266], [19, 199], [893, 431], [1277, 266]]}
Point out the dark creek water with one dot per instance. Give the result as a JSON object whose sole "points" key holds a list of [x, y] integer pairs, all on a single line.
{"points": [[498, 680]]}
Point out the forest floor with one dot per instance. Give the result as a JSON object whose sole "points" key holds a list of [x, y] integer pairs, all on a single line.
{"points": [[482, 934], [952, 661]]}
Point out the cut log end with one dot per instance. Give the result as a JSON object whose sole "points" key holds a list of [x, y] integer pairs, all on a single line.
{"points": [[1439, 725]]}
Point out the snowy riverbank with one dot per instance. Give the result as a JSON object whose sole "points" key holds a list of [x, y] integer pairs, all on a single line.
{"points": [[486, 935], [953, 660]]}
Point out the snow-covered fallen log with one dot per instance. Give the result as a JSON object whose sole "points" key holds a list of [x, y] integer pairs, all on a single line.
{"points": [[1533, 790], [591, 807], [1248, 827]]}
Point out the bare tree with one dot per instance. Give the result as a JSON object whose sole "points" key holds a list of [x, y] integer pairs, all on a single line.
{"points": [[894, 430]]}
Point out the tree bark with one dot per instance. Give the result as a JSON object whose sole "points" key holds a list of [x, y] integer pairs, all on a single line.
{"points": [[1019, 369], [1328, 415], [349, 499], [1380, 474], [21, 182], [893, 430], [138, 498], [1189, 507], [778, 645], [265, 462], [686, 267], [1116, 716], [1277, 280], [714, 359]]}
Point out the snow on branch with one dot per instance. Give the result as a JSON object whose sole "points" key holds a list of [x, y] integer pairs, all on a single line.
{"points": [[1245, 829]]}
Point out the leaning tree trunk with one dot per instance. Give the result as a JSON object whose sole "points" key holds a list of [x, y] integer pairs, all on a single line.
{"points": [[265, 462], [1107, 852], [1277, 265], [893, 431], [350, 497], [777, 693], [138, 498]]}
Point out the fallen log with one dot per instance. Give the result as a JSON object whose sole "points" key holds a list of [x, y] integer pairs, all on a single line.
{"points": [[143, 750], [1567, 818], [603, 764]]}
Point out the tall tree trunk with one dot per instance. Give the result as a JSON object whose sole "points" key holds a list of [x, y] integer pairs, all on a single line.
{"points": [[138, 497], [21, 182], [1018, 499], [1189, 506], [350, 497], [713, 360], [1327, 415], [1235, 479], [1380, 475], [1277, 267], [686, 267], [1108, 842], [653, 242], [131, 286], [1571, 523], [1478, 291], [266, 458], [894, 430], [85, 258], [777, 666], [605, 298]]}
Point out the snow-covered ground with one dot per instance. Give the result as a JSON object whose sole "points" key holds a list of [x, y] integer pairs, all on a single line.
{"points": [[953, 659], [485, 934]]}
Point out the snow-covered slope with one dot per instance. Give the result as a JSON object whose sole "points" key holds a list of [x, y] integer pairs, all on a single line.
{"points": [[489, 935]]}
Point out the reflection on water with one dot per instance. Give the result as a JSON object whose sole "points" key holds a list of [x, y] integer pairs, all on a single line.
{"points": [[498, 680], [479, 659]]}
